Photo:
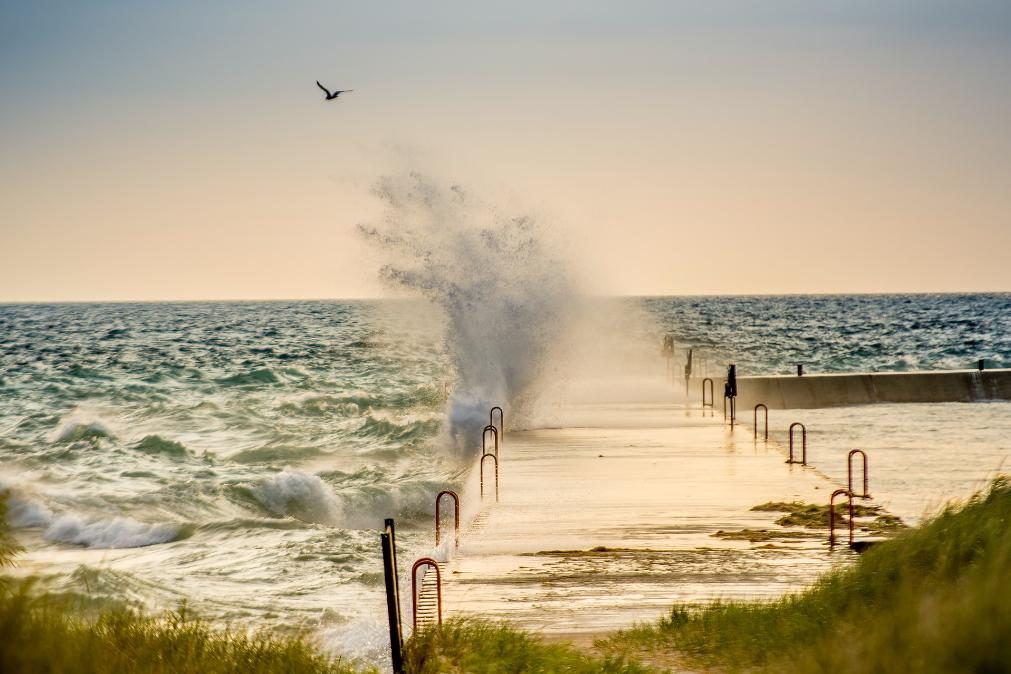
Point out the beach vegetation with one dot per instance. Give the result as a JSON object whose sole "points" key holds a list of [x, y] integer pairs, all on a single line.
{"points": [[936, 598]]}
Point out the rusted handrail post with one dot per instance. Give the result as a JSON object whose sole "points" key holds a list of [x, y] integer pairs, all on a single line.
{"points": [[425, 561], [484, 438], [803, 430], [766, 410], [495, 459], [712, 396], [831, 514], [456, 515], [501, 420], [849, 471]]}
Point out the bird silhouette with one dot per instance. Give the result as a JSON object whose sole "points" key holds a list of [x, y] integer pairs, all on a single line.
{"points": [[335, 94]]}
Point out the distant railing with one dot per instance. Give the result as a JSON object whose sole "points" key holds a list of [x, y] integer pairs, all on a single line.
{"points": [[484, 438], [495, 459], [766, 409], [425, 561], [456, 515], [803, 429], [849, 471], [501, 421], [712, 396], [831, 514]]}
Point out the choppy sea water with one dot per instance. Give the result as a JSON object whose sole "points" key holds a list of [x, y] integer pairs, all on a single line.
{"points": [[242, 455], [842, 333]]}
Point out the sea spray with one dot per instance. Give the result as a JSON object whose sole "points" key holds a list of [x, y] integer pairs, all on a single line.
{"points": [[504, 292]]}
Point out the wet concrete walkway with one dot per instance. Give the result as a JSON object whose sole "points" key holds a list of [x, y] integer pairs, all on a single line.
{"points": [[610, 520]]}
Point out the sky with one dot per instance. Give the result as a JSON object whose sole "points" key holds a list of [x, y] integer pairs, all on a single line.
{"points": [[154, 150]]}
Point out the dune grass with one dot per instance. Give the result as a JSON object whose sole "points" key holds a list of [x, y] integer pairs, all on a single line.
{"points": [[43, 633], [481, 647], [935, 599], [39, 634]]}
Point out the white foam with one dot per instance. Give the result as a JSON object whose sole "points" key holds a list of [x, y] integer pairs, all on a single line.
{"points": [[299, 495], [505, 293], [73, 430], [119, 532]]}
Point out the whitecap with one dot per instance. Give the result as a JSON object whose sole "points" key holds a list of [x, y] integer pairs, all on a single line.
{"points": [[119, 532], [300, 495]]}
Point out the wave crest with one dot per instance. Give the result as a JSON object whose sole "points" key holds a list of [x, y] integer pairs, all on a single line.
{"points": [[291, 493]]}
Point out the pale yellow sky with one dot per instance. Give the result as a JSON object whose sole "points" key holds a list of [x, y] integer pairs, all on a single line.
{"points": [[681, 148]]}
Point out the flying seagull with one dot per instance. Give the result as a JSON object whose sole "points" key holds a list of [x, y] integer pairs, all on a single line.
{"points": [[335, 94]]}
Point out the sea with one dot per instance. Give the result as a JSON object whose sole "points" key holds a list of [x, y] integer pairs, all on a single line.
{"points": [[241, 456]]}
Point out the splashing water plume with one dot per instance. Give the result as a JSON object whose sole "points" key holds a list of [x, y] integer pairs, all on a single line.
{"points": [[505, 294]]}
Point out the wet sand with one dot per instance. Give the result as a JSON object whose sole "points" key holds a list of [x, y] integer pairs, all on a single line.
{"points": [[609, 520]]}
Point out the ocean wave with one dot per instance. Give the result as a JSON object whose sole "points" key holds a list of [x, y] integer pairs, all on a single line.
{"points": [[359, 402], [275, 454], [291, 493], [24, 512], [389, 430], [263, 376], [92, 431], [155, 444], [119, 532]]}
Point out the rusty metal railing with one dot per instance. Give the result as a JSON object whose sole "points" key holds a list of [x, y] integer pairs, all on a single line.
{"points": [[425, 561], [456, 515], [803, 430], [712, 395], [495, 459], [831, 514], [849, 472], [766, 409]]}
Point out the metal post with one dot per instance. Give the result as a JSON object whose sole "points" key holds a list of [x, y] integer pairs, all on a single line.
{"points": [[981, 364], [800, 369], [388, 540]]}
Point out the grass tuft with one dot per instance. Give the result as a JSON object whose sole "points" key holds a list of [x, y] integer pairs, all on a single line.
{"points": [[480, 647]]}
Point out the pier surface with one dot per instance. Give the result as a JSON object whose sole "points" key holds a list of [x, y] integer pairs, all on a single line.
{"points": [[611, 519]]}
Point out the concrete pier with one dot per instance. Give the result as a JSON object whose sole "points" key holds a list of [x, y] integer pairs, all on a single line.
{"points": [[605, 523]]}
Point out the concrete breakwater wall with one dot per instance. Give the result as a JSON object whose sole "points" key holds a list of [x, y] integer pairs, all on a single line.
{"points": [[828, 390]]}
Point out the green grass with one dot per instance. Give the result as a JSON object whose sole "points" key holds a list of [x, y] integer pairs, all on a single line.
{"points": [[935, 599], [40, 634], [482, 647]]}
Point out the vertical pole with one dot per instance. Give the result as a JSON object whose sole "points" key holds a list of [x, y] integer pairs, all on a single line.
{"points": [[389, 544]]}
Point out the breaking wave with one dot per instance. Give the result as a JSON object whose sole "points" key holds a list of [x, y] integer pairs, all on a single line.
{"points": [[291, 493], [502, 289], [119, 532]]}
